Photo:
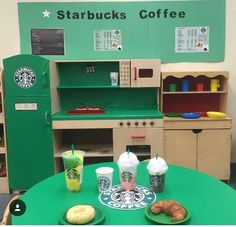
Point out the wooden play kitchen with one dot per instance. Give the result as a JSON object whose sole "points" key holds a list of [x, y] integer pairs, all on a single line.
{"points": [[50, 105]]}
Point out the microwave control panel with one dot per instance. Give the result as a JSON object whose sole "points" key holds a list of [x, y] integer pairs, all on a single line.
{"points": [[124, 73]]}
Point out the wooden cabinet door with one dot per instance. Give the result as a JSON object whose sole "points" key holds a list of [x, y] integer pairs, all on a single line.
{"points": [[214, 153], [138, 136], [145, 73], [180, 148]]}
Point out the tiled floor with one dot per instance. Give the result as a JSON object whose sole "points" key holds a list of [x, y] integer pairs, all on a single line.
{"points": [[5, 198]]}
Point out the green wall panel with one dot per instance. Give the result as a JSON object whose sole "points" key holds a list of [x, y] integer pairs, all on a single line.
{"points": [[151, 37], [110, 98], [75, 73]]}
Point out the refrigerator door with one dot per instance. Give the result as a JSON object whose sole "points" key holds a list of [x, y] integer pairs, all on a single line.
{"points": [[29, 141], [26, 75]]}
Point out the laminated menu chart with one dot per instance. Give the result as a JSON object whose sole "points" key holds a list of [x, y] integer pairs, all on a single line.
{"points": [[192, 39], [107, 40]]}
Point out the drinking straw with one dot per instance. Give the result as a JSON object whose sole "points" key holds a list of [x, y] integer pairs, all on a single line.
{"points": [[73, 149]]}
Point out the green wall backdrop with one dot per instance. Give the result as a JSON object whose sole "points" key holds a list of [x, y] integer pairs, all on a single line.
{"points": [[146, 29]]}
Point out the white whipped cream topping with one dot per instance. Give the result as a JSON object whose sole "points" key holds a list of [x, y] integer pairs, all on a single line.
{"points": [[157, 166], [127, 160]]}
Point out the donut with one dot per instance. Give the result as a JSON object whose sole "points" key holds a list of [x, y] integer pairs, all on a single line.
{"points": [[80, 214]]}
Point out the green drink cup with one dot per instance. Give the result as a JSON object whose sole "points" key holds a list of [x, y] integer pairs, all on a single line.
{"points": [[73, 165]]}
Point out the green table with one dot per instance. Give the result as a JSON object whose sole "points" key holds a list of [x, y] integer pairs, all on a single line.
{"points": [[209, 200]]}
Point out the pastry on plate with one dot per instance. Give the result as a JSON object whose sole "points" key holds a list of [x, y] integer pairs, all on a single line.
{"points": [[169, 207], [80, 214]]}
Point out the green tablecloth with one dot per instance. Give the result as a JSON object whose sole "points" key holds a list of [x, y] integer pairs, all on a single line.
{"points": [[209, 200]]}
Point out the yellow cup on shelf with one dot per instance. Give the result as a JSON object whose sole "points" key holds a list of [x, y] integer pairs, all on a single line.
{"points": [[215, 84]]}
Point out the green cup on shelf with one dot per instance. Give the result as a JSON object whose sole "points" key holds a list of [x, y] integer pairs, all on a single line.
{"points": [[172, 87]]}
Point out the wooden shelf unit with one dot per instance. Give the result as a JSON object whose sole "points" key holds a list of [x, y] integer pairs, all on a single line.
{"points": [[3, 150], [193, 100], [193, 92], [203, 144], [4, 188]]}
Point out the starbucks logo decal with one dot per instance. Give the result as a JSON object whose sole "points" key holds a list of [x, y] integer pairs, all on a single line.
{"points": [[118, 198], [25, 77], [104, 183], [72, 174], [127, 176]]}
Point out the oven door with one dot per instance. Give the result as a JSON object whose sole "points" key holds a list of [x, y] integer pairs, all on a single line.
{"points": [[140, 139]]}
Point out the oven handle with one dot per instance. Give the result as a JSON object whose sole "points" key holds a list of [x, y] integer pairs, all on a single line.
{"points": [[138, 136], [135, 73]]}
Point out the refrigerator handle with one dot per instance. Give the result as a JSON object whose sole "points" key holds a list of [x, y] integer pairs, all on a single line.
{"points": [[44, 79], [47, 118]]}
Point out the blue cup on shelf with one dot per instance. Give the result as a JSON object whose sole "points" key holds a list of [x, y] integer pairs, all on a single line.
{"points": [[185, 85]]}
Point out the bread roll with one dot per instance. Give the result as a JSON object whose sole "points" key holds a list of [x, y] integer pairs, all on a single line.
{"points": [[80, 214]]}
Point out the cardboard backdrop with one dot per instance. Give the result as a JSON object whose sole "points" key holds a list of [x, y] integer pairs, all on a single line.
{"points": [[174, 31]]}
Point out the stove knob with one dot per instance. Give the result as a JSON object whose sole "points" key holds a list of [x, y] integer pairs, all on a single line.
{"points": [[121, 124], [136, 123], [144, 123], [128, 123], [152, 123]]}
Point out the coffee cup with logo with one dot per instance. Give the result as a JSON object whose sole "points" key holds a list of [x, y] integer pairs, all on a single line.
{"points": [[114, 78], [73, 164], [157, 168], [128, 163], [104, 178]]}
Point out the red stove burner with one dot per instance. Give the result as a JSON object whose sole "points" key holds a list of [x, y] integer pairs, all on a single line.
{"points": [[86, 110]]}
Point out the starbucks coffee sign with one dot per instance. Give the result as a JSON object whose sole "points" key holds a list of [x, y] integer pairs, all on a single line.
{"points": [[118, 198], [106, 30]]}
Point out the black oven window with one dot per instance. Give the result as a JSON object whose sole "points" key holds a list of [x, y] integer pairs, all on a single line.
{"points": [[145, 73]]}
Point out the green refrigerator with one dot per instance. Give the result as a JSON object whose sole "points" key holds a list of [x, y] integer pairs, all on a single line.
{"points": [[27, 105]]}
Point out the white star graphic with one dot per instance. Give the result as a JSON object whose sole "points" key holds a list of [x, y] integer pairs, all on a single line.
{"points": [[46, 13]]}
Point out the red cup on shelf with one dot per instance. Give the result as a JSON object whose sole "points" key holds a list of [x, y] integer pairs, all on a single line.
{"points": [[200, 87]]}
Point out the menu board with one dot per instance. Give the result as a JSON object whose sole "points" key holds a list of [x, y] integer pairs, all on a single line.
{"points": [[47, 41]]}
